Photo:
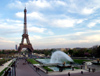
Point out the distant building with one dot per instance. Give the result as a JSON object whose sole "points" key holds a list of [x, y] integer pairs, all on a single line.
{"points": [[96, 46], [57, 48], [63, 49], [16, 47]]}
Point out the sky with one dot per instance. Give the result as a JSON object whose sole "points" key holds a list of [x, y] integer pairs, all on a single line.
{"points": [[50, 23]]}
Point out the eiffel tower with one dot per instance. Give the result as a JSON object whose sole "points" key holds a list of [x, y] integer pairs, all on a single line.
{"points": [[25, 36]]}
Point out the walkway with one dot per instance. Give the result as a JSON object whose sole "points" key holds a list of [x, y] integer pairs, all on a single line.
{"points": [[75, 73], [5, 65], [79, 74], [66, 71], [26, 69]]}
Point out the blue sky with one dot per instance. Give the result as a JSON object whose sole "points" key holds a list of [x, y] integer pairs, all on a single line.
{"points": [[51, 23]]}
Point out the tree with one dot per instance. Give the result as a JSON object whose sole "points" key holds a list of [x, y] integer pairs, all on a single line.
{"points": [[97, 52], [70, 52]]}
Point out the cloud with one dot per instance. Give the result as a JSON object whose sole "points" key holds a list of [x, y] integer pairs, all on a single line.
{"points": [[6, 26], [40, 30], [90, 7], [38, 3], [63, 23], [88, 36], [82, 7], [6, 43], [31, 16], [35, 4], [36, 29], [87, 11], [80, 21], [36, 15], [37, 37], [16, 4], [45, 17], [73, 6], [58, 3], [69, 40], [20, 14], [68, 22], [50, 33], [9, 26], [93, 23], [5, 40], [93, 38], [13, 21]]}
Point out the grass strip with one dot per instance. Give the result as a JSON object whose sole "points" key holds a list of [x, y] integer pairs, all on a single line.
{"points": [[76, 67], [46, 68], [3, 71], [32, 61], [10, 64]]}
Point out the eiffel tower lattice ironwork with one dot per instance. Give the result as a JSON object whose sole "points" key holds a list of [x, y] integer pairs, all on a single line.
{"points": [[25, 36]]}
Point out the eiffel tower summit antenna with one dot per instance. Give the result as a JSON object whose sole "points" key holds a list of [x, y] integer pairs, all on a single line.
{"points": [[25, 36]]}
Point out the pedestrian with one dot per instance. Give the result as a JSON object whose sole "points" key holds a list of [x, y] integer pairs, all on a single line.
{"points": [[93, 70], [9, 73], [72, 68], [47, 71], [68, 73], [38, 69], [81, 66], [81, 72], [89, 69]]}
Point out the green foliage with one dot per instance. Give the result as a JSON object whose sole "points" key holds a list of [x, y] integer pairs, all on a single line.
{"points": [[70, 51], [8, 51], [76, 52], [2, 61], [32, 61], [46, 68], [46, 52], [3, 71], [82, 52], [97, 52]]}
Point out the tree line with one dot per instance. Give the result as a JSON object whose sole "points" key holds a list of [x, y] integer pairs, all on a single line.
{"points": [[75, 52]]}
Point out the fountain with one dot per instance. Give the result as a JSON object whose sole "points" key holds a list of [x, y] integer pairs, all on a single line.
{"points": [[59, 61], [60, 57]]}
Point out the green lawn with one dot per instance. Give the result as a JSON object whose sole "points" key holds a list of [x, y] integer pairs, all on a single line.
{"points": [[35, 62], [32, 61], [79, 61]]}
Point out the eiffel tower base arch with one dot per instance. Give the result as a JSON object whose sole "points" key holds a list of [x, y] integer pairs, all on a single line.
{"points": [[29, 47]]}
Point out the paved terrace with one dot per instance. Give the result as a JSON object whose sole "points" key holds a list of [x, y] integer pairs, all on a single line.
{"points": [[79, 74], [27, 69]]}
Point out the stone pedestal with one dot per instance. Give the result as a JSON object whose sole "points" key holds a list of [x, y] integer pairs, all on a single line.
{"points": [[85, 66]]}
